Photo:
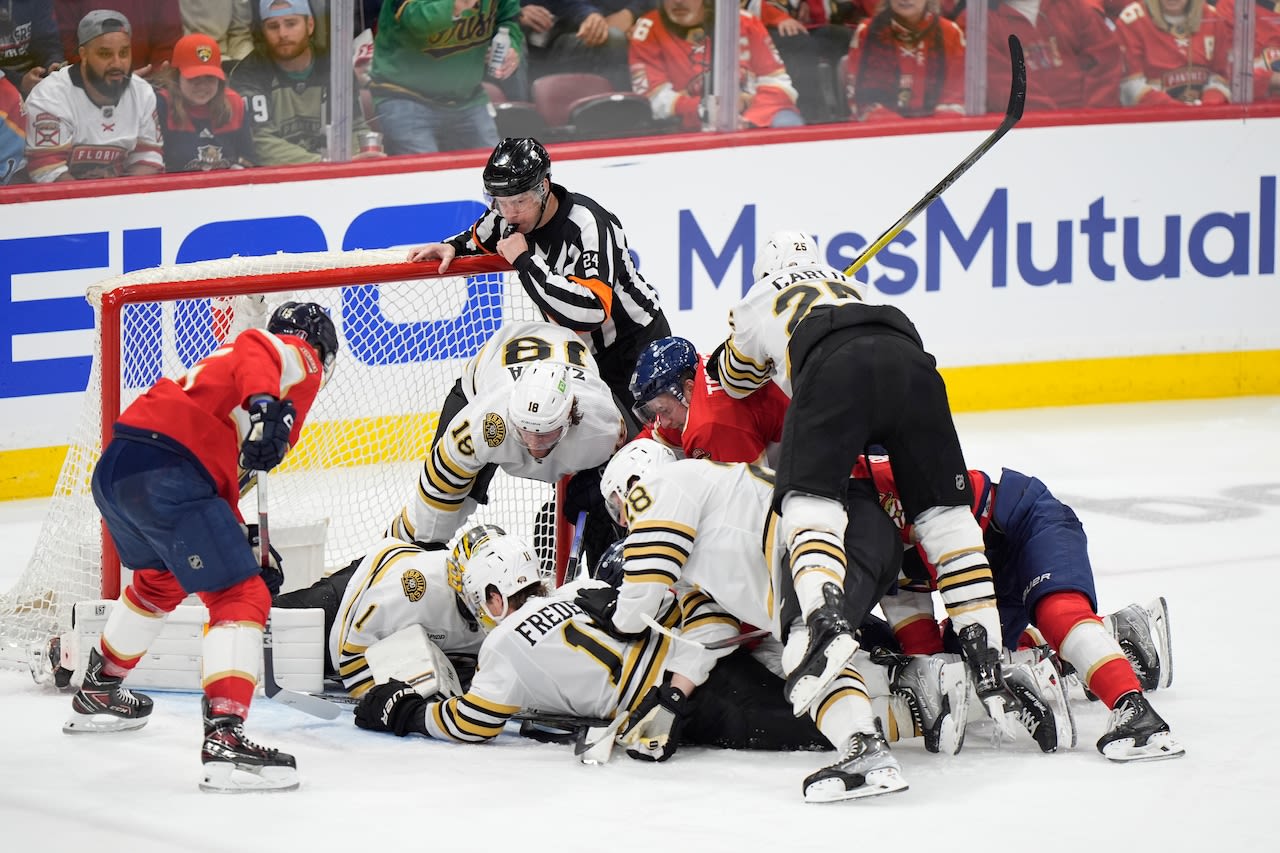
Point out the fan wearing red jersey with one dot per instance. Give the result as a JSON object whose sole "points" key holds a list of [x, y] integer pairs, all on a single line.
{"points": [[906, 61], [1040, 564], [1177, 52], [670, 59], [168, 489]]}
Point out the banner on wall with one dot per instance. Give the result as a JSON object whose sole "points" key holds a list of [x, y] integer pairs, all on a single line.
{"points": [[1063, 243]]}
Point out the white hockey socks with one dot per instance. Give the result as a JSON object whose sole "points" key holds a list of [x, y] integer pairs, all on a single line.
{"points": [[845, 709], [232, 655], [813, 529], [952, 542], [129, 632]]}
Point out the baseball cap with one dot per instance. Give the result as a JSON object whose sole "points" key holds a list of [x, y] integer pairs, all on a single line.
{"points": [[197, 55], [99, 22], [281, 8]]}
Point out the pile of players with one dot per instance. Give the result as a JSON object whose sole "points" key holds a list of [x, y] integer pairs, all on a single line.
{"points": [[764, 500]]}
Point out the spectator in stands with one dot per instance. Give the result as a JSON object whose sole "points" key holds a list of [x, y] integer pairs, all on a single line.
{"points": [[811, 47], [13, 135], [1074, 59], [285, 84], [204, 123], [30, 46], [671, 66], [1177, 52], [94, 119], [156, 24], [1266, 45], [906, 61], [582, 36], [427, 71], [227, 21]]}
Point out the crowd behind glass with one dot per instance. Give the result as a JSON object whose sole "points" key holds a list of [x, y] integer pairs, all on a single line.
{"points": [[105, 88]]}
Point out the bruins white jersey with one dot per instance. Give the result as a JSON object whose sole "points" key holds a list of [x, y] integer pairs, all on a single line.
{"points": [[396, 585], [762, 324], [549, 656], [708, 526], [500, 360], [481, 434]]}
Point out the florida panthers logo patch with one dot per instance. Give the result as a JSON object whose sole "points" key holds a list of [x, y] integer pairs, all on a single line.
{"points": [[414, 585], [494, 429]]}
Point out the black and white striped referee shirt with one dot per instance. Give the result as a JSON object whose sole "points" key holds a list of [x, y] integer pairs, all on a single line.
{"points": [[578, 270]]}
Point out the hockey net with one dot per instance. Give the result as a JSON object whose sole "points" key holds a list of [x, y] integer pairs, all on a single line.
{"points": [[405, 333]]}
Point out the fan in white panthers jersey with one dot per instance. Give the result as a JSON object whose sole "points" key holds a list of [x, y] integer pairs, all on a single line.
{"points": [[395, 585], [531, 402], [541, 652], [857, 374], [710, 525]]}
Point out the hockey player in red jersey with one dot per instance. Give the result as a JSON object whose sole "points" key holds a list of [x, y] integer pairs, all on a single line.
{"points": [[1040, 563], [671, 60], [688, 411], [168, 489], [1177, 52], [1074, 59], [906, 61]]}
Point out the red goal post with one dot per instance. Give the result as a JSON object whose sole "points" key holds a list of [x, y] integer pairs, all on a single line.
{"points": [[405, 330]]}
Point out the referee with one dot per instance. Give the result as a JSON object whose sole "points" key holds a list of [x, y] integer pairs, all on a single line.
{"points": [[571, 256]]}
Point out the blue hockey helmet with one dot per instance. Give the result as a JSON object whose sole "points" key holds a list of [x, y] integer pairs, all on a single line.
{"points": [[609, 568], [308, 321], [663, 367]]}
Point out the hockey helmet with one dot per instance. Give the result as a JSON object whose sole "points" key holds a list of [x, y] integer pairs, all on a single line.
{"points": [[785, 249], [609, 568], [308, 321], [541, 406], [663, 367], [501, 563], [628, 465], [516, 166]]}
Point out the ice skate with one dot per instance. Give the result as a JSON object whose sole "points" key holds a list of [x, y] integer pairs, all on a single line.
{"points": [[1143, 634], [820, 650], [1137, 732], [938, 698], [104, 704], [234, 764], [1039, 708], [865, 768]]}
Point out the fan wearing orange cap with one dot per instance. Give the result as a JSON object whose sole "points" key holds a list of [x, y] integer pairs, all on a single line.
{"points": [[203, 121]]}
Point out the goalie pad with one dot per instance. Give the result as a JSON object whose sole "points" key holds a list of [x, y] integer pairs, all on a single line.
{"points": [[410, 656]]}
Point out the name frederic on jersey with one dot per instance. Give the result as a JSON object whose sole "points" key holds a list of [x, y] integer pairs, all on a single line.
{"points": [[544, 620]]}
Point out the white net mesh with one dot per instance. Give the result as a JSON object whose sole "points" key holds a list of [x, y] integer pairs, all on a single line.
{"points": [[403, 344]]}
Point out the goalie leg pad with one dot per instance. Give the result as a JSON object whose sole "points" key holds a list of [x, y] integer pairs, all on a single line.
{"points": [[410, 656]]}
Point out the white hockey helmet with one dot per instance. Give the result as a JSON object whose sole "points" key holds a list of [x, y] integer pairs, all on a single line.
{"points": [[785, 249], [628, 465], [492, 561], [541, 406]]}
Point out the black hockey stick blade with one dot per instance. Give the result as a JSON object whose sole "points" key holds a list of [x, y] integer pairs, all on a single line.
{"points": [[1013, 113]]}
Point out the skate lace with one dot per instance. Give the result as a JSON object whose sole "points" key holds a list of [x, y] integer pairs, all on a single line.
{"points": [[1123, 714], [1134, 660], [233, 735]]}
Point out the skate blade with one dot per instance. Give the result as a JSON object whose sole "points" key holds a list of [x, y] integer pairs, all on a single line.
{"points": [[223, 777], [1158, 614], [808, 688], [886, 780], [80, 724], [1157, 748]]}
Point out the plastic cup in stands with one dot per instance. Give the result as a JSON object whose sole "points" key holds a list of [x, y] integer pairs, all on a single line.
{"points": [[370, 142]]}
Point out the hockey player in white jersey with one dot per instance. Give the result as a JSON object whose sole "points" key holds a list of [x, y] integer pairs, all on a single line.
{"points": [[711, 526], [530, 402], [541, 652], [857, 374], [395, 585]]}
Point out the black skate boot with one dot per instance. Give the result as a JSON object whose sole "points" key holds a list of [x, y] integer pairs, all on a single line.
{"points": [[865, 768], [234, 764], [822, 648], [104, 704], [1143, 635], [1137, 732]]}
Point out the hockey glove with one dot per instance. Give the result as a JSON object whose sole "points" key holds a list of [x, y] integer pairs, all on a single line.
{"points": [[273, 574], [270, 424], [652, 732], [392, 707], [582, 494], [600, 603]]}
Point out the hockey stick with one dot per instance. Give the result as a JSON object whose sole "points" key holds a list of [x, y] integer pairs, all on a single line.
{"points": [[584, 747], [305, 702], [1017, 99], [712, 646], [575, 550]]}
